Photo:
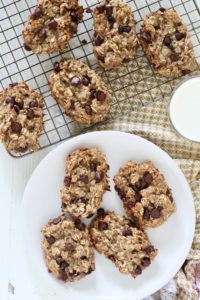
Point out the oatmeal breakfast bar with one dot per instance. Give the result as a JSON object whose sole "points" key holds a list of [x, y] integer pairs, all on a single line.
{"points": [[146, 197], [21, 118], [68, 251], [51, 25], [120, 241], [166, 42], [85, 182], [115, 40], [80, 91]]}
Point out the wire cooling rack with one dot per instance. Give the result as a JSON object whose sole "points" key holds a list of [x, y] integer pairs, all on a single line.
{"points": [[132, 86]]}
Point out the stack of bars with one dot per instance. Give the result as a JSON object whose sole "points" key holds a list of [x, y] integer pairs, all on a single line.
{"points": [[129, 77], [69, 245]]}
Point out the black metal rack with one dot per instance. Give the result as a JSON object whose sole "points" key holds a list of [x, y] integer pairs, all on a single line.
{"points": [[133, 85]]}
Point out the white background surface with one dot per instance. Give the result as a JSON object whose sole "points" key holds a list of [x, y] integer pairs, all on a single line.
{"points": [[18, 279]]}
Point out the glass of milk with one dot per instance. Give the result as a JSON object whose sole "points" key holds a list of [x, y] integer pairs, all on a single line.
{"points": [[184, 109]]}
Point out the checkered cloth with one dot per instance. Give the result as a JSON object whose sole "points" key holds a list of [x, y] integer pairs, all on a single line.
{"points": [[152, 123]]}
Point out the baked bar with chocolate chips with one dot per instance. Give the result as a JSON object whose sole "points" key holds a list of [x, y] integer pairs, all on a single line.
{"points": [[85, 182], [146, 197], [51, 25], [80, 91], [21, 118], [166, 42], [115, 40], [122, 242], [68, 251]]}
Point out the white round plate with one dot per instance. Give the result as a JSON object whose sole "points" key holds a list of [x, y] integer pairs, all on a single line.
{"points": [[173, 239]]}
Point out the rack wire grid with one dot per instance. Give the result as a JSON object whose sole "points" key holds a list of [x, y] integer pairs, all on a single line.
{"points": [[132, 86]]}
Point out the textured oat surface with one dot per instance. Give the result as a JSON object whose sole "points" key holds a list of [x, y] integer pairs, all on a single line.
{"points": [[21, 118], [85, 182], [166, 42], [119, 240], [80, 91], [115, 39], [145, 194], [51, 25], [67, 247]]}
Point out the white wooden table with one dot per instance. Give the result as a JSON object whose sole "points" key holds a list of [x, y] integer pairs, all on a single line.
{"points": [[19, 279]]}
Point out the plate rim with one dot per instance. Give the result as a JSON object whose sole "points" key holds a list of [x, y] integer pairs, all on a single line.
{"points": [[192, 226]]}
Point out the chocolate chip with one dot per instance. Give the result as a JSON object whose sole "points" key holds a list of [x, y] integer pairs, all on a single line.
{"points": [[64, 265], [102, 226], [99, 175], [111, 20], [145, 262], [83, 257], [84, 42], [101, 96], [10, 100], [51, 240], [112, 258], [37, 12], [138, 270], [16, 127], [179, 35], [52, 24], [90, 216], [130, 204], [138, 197], [67, 181], [63, 205], [155, 213], [109, 11], [90, 270], [33, 103], [57, 67], [127, 232], [98, 40], [167, 40], [92, 94], [120, 192], [27, 48], [74, 16], [149, 249], [56, 220], [59, 260], [86, 80], [42, 34], [30, 114], [162, 9], [140, 185], [101, 58], [124, 28], [186, 72], [79, 225], [13, 84], [148, 178], [73, 199], [69, 247], [84, 200], [63, 276], [84, 178], [22, 149], [100, 212], [147, 37], [101, 9], [88, 10], [157, 27], [72, 104], [75, 81], [88, 110], [93, 166], [174, 57], [126, 60], [146, 214]]}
